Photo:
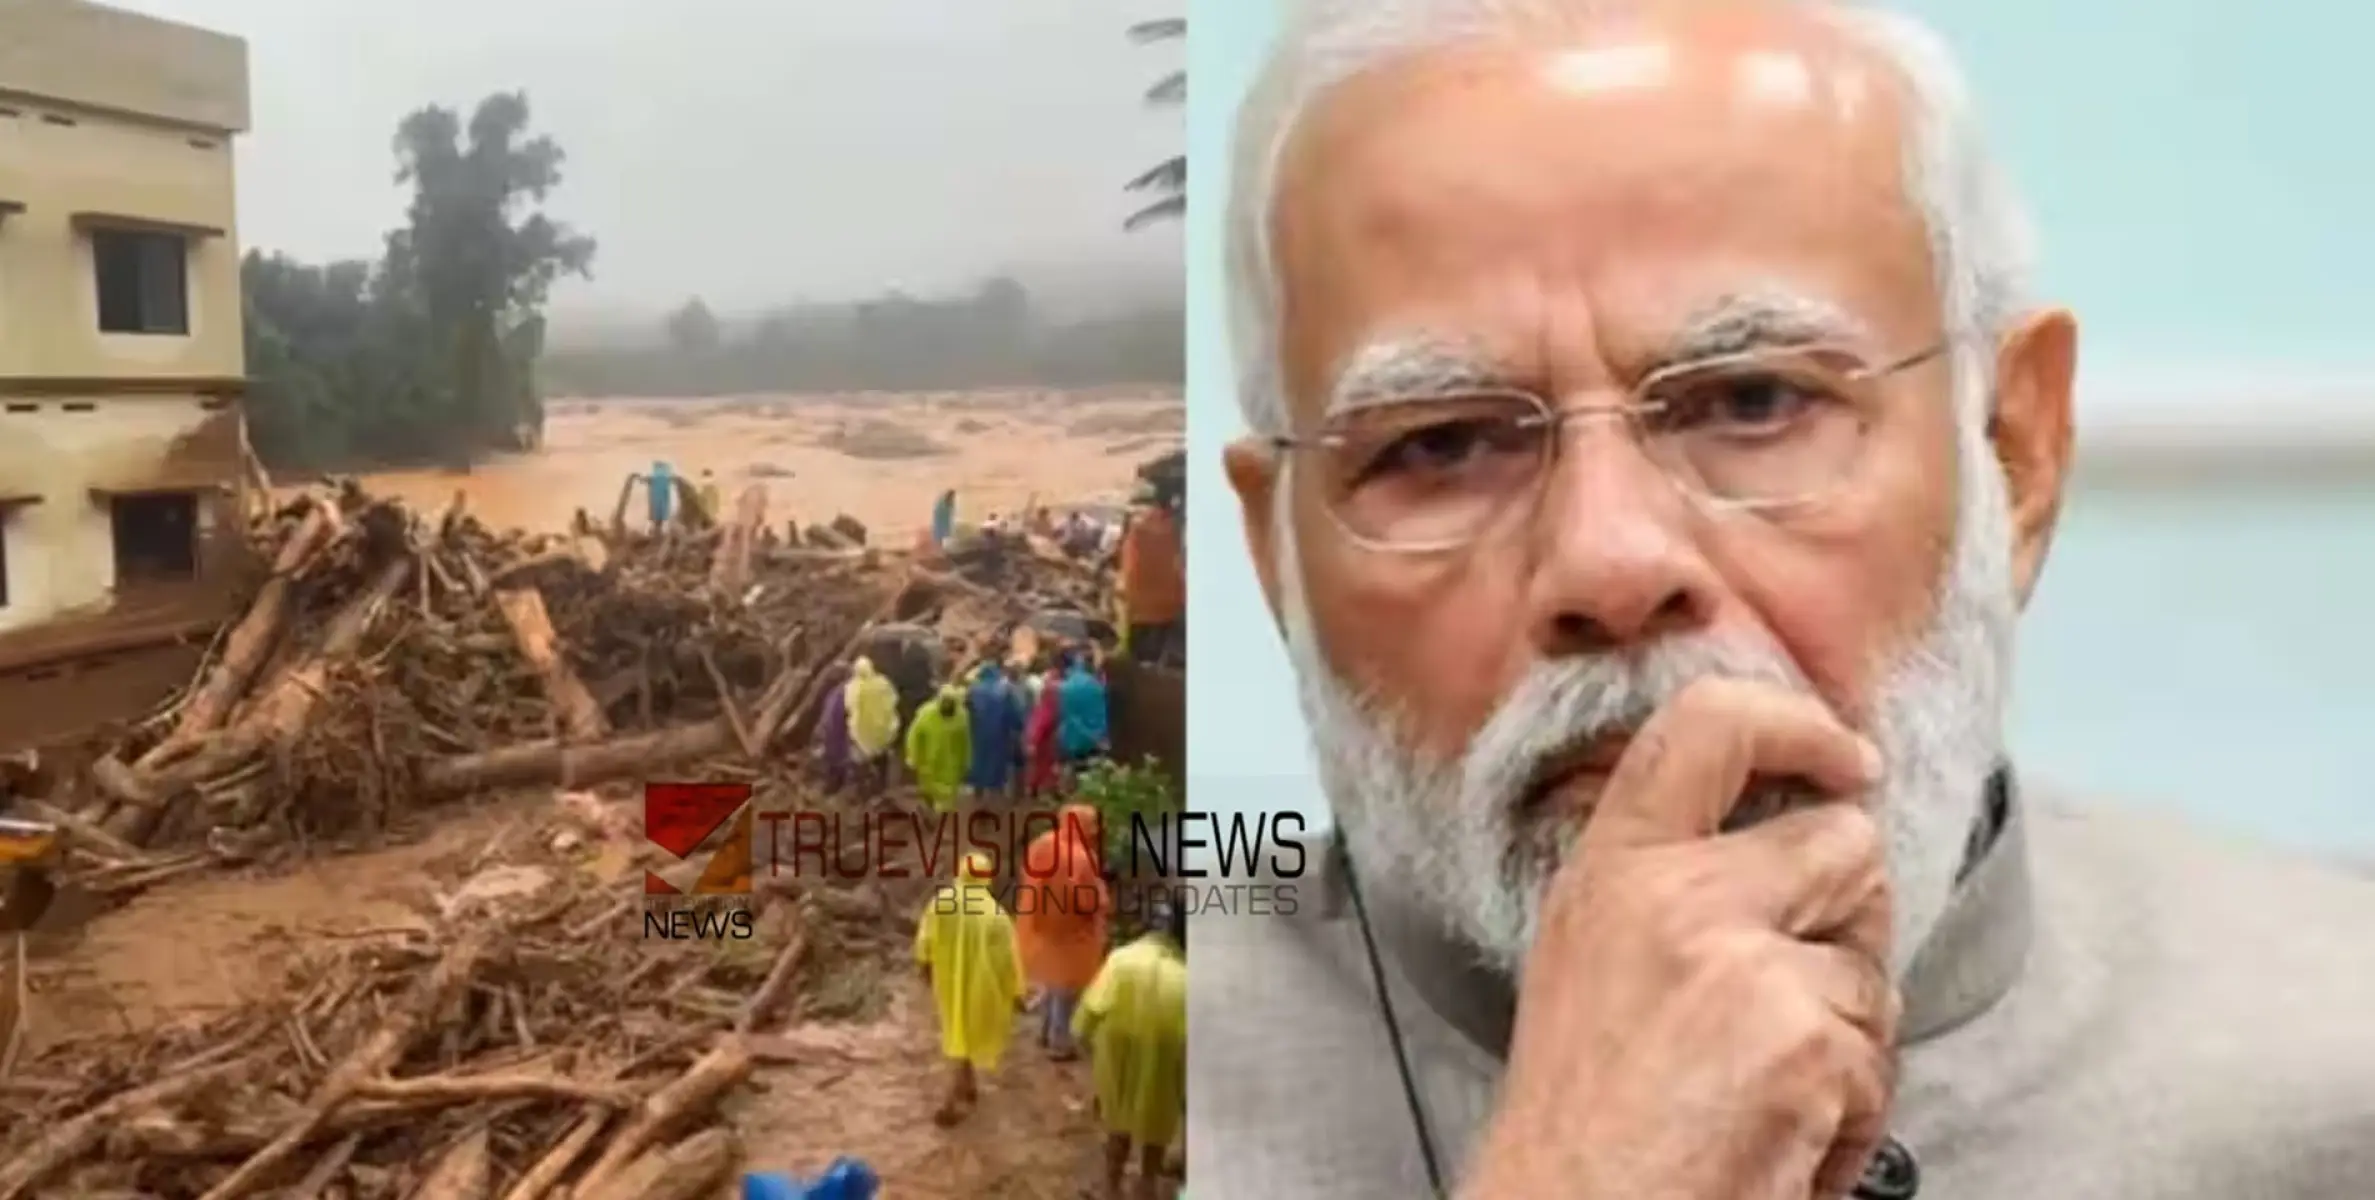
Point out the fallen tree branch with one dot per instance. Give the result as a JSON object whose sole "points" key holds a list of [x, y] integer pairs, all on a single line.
{"points": [[692, 1169], [541, 1179], [580, 718], [730, 710], [326, 1168], [762, 1003], [463, 1089], [730, 569], [280, 714], [251, 641], [727, 1064], [433, 994], [556, 764], [61, 1144], [463, 1172]]}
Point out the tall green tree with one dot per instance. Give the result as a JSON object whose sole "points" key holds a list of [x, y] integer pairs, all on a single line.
{"points": [[693, 329], [481, 261], [1165, 182], [428, 355]]}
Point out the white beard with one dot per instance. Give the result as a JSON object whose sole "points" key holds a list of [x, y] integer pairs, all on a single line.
{"points": [[1447, 835]]}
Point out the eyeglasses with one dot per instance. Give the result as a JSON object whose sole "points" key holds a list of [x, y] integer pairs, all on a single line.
{"points": [[1760, 430]]}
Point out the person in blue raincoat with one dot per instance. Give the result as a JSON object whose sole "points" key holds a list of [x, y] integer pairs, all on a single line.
{"points": [[944, 518], [1081, 732], [995, 706], [660, 487]]}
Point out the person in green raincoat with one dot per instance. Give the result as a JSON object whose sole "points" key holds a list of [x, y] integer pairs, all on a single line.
{"points": [[872, 705], [1133, 1019], [965, 944], [940, 747]]}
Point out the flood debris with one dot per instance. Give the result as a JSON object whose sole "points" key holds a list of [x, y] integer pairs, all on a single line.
{"points": [[519, 1038], [392, 659]]}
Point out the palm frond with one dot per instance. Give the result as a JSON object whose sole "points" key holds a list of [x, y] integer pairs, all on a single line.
{"points": [[1165, 29], [1167, 180], [1169, 208], [1170, 175]]}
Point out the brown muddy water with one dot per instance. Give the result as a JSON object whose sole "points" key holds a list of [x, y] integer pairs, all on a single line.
{"points": [[879, 458]]}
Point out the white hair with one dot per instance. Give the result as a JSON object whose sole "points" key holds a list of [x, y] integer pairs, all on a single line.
{"points": [[1446, 831], [1981, 243]]}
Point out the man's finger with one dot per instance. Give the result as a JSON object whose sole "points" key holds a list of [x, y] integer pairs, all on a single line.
{"points": [[1851, 985], [1687, 768], [1817, 873], [1868, 1082]]}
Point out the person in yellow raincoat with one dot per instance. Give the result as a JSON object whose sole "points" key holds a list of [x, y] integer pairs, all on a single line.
{"points": [[940, 747], [873, 708], [1134, 1022], [965, 944]]}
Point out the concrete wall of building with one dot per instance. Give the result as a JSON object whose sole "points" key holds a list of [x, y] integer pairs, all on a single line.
{"points": [[96, 57], [78, 647], [104, 168], [112, 120], [61, 459]]}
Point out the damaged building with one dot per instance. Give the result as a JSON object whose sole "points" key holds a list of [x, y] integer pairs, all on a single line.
{"points": [[123, 459]]}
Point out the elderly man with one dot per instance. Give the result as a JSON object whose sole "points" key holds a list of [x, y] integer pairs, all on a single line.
{"points": [[1656, 440]]}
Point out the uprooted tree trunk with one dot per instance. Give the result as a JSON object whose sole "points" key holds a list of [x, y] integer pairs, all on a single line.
{"points": [[562, 765], [689, 1170], [556, 764], [617, 528], [251, 641], [146, 798], [731, 568], [544, 1177], [668, 1110], [786, 704], [436, 993], [464, 1172], [580, 718]]}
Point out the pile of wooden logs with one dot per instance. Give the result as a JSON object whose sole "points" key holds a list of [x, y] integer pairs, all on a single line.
{"points": [[502, 1050], [526, 1044], [391, 660]]}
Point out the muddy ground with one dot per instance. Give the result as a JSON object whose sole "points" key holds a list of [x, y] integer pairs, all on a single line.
{"points": [[192, 947]]}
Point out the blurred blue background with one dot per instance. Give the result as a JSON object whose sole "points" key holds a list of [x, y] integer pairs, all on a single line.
{"points": [[2197, 643]]}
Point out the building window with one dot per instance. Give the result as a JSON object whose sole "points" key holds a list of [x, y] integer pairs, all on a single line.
{"points": [[144, 281], [156, 538]]}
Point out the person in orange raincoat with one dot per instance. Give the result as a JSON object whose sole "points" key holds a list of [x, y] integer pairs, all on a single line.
{"points": [[1039, 736], [1153, 586], [1061, 908]]}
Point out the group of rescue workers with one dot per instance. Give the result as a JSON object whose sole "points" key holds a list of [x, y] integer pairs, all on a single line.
{"points": [[1020, 739]]}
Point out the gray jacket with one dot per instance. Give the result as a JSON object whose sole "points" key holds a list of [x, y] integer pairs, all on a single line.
{"points": [[2115, 1007]]}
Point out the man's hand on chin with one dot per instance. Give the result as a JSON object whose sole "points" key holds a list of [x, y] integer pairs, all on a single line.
{"points": [[1705, 1015]]}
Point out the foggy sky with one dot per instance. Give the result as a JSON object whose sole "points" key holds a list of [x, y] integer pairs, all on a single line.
{"points": [[748, 151]]}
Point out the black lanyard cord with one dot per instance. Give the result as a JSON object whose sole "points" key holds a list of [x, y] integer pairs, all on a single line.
{"points": [[1393, 1025]]}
